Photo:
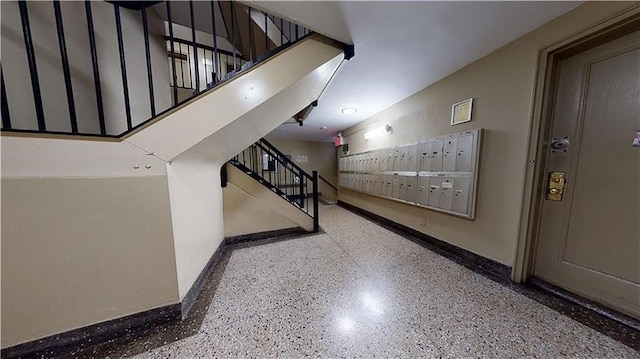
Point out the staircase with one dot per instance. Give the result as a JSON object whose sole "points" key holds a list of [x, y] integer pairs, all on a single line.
{"points": [[264, 163]]}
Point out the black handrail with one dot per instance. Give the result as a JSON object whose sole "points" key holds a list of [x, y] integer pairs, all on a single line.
{"points": [[267, 165], [327, 182], [81, 116]]}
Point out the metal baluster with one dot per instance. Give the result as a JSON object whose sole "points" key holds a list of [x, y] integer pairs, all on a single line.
{"points": [[215, 44], [123, 66], [297, 35], [307, 195], [250, 35], [252, 159], [281, 32], [292, 185], [259, 160], [65, 66], [266, 34], [31, 58], [6, 119], [279, 172], [213, 72], [316, 215], [204, 63], [173, 54], [288, 185], [181, 67], [233, 33], [269, 160], [96, 72], [226, 62], [303, 198], [195, 47], [254, 163], [301, 178], [145, 26], [188, 67]]}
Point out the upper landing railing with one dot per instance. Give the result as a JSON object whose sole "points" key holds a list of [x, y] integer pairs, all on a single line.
{"points": [[107, 68]]}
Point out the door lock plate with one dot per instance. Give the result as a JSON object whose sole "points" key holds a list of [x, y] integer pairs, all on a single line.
{"points": [[555, 188]]}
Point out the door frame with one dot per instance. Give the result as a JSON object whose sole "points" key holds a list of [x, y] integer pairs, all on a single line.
{"points": [[618, 25]]}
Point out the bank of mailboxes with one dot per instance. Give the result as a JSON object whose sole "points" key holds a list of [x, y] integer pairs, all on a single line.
{"points": [[438, 173]]}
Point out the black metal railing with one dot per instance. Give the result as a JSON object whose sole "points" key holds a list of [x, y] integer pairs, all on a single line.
{"points": [[267, 165], [214, 60], [104, 92]]}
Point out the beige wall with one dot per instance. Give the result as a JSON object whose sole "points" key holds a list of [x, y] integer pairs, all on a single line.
{"points": [[86, 235], [51, 76], [196, 212], [502, 85], [79, 251], [245, 214], [321, 157]]}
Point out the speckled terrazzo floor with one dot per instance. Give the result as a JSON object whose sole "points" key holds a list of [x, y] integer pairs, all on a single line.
{"points": [[359, 290]]}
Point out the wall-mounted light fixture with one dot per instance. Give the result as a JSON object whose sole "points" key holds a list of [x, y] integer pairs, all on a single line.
{"points": [[384, 130]]}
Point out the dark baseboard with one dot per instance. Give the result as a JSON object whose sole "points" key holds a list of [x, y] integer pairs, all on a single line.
{"points": [[61, 343], [604, 320], [252, 237], [66, 343], [586, 303], [461, 256], [191, 296]]}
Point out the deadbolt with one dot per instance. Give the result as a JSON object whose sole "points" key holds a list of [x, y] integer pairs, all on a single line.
{"points": [[560, 144], [556, 186]]}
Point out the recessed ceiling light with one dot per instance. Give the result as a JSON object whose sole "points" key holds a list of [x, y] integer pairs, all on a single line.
{"points": [[323, 127], [349, 110]]}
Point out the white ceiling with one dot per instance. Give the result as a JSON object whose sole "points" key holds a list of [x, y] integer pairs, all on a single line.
{"points": [[401, 47]]}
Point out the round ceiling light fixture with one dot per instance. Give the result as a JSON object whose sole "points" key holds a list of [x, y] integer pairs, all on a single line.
{"points": [[323, 127], [349, 109]]}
